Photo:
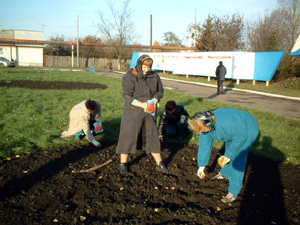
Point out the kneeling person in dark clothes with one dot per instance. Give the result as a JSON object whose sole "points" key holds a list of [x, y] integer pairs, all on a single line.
{"points": [[173, 121]]}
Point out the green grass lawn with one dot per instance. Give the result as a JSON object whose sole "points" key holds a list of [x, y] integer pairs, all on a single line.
{"points": [[34, 119]]}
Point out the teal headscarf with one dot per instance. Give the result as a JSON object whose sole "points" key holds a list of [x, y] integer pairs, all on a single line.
{"points": [[207, 118]]}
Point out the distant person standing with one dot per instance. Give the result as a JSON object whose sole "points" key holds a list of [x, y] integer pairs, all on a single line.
{"points": [[109, 66], [220, 73]]}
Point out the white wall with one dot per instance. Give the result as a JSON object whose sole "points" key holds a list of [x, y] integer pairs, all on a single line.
{"points": [[23, 35], [27, 56], [243, 65], [203, 63], [23, 55], [29, 35], [5, 52], [240, 65]]}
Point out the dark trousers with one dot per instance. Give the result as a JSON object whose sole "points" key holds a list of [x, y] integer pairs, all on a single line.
{"points": [[220, 87]]}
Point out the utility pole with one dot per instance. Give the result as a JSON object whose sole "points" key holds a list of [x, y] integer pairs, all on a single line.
{"points": [[151, 33], [43, 29], [43, 26], [77, 41], [72, 56]]}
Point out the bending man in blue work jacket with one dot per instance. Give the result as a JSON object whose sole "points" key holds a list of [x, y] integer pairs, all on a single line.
{"points": [[239, 130]]}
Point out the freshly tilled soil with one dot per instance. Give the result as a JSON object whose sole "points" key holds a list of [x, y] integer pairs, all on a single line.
{"points": [[46, 187]]}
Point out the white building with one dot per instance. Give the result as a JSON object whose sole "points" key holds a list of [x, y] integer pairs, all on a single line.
{"points": [[23, 46], [194, 34]]}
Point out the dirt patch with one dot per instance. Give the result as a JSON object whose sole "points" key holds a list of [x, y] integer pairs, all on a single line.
{"points": [[42, 188], [51, 85]]}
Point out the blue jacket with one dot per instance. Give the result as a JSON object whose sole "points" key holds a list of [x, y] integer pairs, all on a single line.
{"points": [[232, 127]]}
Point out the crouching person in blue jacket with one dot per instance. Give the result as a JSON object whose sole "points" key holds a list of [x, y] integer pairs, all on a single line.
{"points": [[239, 130]]}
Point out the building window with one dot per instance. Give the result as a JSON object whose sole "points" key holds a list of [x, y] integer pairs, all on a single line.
{"points": [[1, 51]]}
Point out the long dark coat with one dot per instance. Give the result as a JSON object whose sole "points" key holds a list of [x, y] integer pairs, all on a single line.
{"points": [[143, 88], [221, 72]]}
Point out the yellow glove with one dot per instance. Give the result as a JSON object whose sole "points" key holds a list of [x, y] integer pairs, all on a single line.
{"points": [[223, 160]]}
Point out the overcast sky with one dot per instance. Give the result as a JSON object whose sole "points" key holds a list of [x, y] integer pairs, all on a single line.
{"points": [[59, 17]]}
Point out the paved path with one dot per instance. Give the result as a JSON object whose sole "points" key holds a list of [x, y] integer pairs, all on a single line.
{"points": [[277, 105]]}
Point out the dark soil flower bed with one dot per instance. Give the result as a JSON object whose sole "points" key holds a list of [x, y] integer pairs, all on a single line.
{"points": [[44, 187]]}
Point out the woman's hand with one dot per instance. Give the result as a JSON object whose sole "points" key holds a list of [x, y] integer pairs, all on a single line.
{"points": [[155, 99], [200, 172], [142, 105]]}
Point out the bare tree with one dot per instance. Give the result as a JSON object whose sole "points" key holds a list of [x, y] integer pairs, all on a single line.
{"points": [[206, 39], [171, 39], [268, 32], [276, 30], [232, 30], [117, 28], [222, 33], [91, 51], [291, 15], [56, 47]]}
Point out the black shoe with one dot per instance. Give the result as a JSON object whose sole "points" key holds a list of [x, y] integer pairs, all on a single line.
{"points": [[162, 168], [186, 131], [123, 168]]}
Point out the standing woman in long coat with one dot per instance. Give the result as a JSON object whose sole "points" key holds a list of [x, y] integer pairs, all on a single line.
{"points": [[140, 85]]}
